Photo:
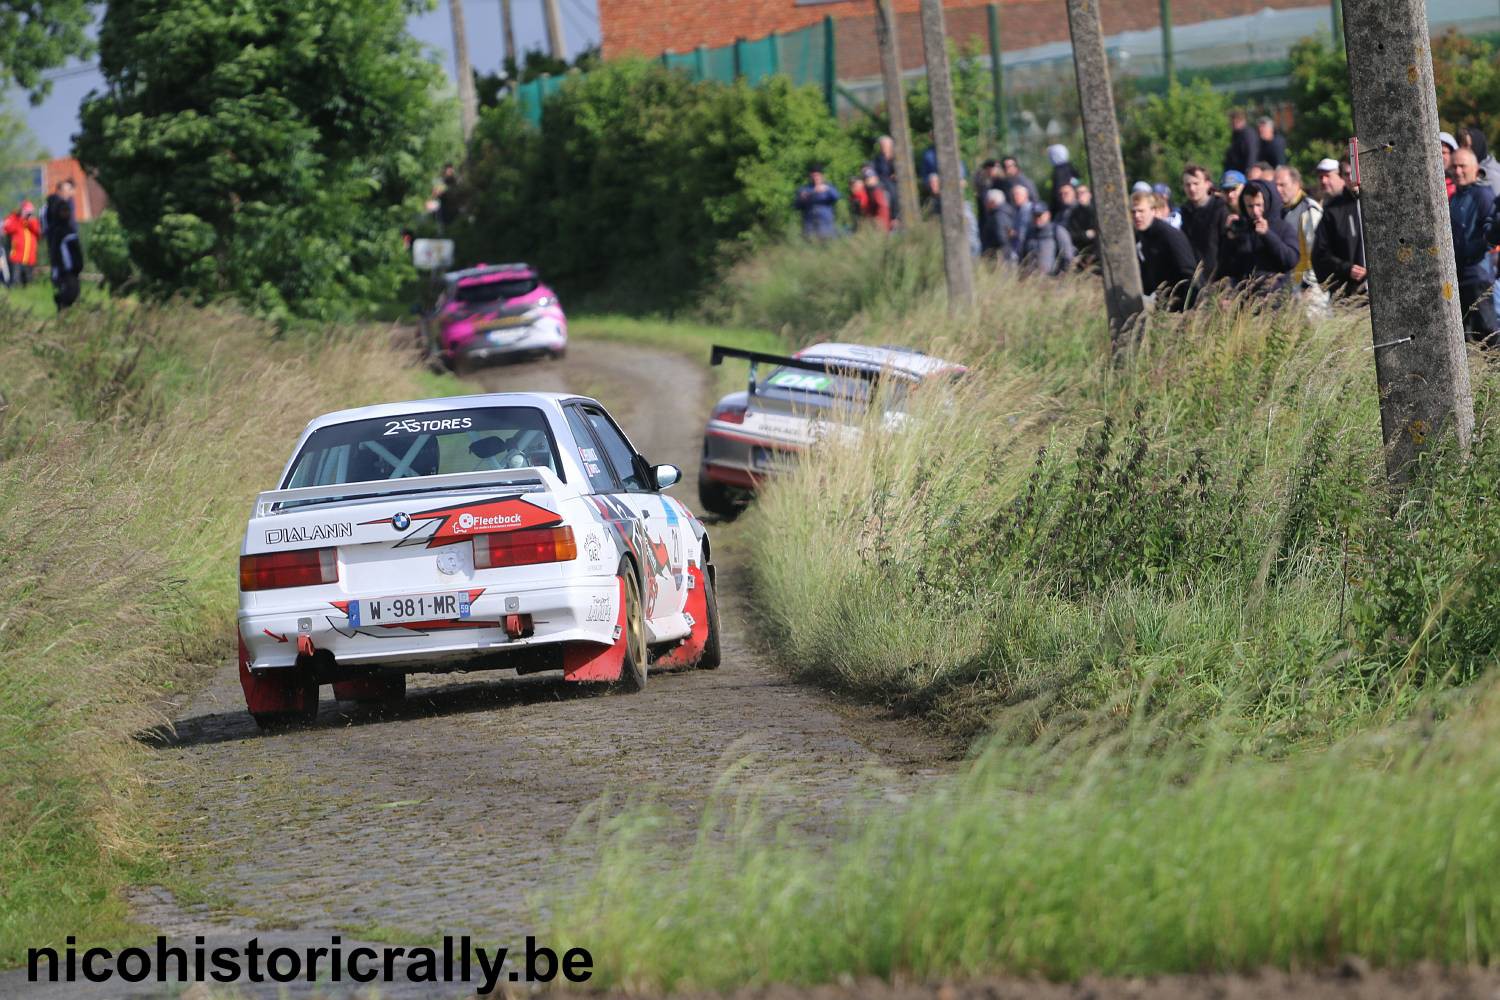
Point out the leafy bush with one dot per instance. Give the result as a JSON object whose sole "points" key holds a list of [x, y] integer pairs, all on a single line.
{"points": [[262, 152], [640, 179], [1466, 72], [1164, 133], [1320, 94]]}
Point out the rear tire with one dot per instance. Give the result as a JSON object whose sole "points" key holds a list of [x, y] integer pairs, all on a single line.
{"points": [[710, 658], [715, 499], [633, 669]]}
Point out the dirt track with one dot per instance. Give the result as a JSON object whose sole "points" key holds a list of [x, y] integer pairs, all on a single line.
{"points": [[444, 816]]}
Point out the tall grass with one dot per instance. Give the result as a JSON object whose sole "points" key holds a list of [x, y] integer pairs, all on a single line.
{"points": [[1214, 670], [1115, 863], [130, 449]]}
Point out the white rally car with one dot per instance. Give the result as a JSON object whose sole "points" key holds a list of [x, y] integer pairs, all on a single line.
{"points": [[510, 530]]}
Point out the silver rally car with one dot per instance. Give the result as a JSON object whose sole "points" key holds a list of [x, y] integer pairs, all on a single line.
{"points": [[509, 530], [820, 391]]}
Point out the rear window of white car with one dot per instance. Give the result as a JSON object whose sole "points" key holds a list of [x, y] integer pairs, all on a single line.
{"points": [[425, 444]]}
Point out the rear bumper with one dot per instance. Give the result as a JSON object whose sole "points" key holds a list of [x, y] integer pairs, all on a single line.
{"points": [[581, 611], [743, 461], [546, 335]]}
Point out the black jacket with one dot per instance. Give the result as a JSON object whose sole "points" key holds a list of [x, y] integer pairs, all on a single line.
{"points": [[1273, 152], [1263, 258], [1081, 222], [1244, 149], [1063, 174], [1339, 244], [1166, 259], [1203, 225]]}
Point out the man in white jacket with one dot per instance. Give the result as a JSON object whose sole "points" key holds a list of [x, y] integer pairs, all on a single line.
{"points": [[1304, 213]]}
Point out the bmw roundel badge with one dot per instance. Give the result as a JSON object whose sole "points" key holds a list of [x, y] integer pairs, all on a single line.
{"points": [[400, 522]]}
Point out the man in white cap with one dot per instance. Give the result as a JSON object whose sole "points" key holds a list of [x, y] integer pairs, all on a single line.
{"points": [[1063, 173], [1338, 254]]}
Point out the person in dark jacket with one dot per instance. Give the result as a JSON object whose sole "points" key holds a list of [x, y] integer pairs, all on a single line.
{"points": [[1259, 247], [1489, 170], [1063, 174], [1469, 210], [66, 254], [1244, 144], [1083, 224], [885, 168], [1272, 143], [1338, 254], [1203, 216], [815, 200], [1011, 168], [1167, 261]]}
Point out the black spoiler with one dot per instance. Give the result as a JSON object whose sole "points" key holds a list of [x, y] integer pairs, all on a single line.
{"points": [[833, 366]]}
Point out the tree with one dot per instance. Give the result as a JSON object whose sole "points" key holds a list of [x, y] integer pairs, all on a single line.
{"points": [[263, 150], [38, 35], [17, 147], [1164, 133], [1320, 94], [1467, 74]]}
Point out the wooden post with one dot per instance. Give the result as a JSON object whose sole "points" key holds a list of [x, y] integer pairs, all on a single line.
{"points": [[895, 103], [1101, 137], [1421, 364], [508, 29], [556, 44], [468, 101], [958, 264]]}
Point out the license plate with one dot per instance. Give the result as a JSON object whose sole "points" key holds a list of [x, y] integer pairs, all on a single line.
{"points": [[412, 608], [769, 458]]}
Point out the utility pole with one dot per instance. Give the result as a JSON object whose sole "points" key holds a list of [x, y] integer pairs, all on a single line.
{"points": [[1101, 137], [895, 103], [508, 28], [1421, 364], [555, 43], [1336, 12], [997, 74], [958, 265], [468, 102]]}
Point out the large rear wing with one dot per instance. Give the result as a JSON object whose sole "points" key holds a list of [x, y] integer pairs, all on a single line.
{"points": [[832, 366], [267, 503]]}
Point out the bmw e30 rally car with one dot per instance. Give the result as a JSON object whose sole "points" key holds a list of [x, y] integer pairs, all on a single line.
{"points": [[509, 530], [495, 312], [820, 392]]}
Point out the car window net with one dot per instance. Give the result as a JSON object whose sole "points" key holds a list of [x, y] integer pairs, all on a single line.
{"points": [[413, 445]]}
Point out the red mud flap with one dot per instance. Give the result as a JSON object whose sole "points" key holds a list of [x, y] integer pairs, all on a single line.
{"points": [[279, 691], [588, 661], [690, 650], [371, 689]]}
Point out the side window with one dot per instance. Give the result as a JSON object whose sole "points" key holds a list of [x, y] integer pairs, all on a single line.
{"points": [[617, 450], [588, 456]]}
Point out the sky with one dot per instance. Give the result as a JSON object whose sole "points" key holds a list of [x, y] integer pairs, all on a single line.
{"points": [[56, 119]]}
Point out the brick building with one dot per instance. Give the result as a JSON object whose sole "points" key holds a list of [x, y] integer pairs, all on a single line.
{"points": [[651, 27]]}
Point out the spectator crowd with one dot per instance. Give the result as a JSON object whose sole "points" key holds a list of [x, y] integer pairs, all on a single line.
{"points": [[1260, 229], [56, 226]]}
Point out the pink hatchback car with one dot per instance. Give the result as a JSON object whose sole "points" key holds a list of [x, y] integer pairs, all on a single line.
{"points": [[495, 312]]}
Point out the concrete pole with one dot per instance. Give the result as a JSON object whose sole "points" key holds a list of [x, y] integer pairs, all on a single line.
{"points": [[1167, 64], [958, 265], [1101, 137], [1421, 364], [508, 29], [997, 73], [556, 44], [895, 103], [468, 101], [1336, 14]]}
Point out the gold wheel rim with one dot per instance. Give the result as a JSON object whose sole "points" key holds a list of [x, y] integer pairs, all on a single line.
{"points": [[635, 631]]}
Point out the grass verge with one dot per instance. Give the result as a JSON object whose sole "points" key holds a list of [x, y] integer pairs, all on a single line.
{"points": [[131, 446]]}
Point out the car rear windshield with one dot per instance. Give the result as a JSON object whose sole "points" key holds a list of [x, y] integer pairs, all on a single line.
{"points": [[842, 387], [499, 290], [425, 444]]}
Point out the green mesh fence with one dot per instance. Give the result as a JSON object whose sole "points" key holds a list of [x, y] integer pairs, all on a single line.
{"points": [[803, 55]]}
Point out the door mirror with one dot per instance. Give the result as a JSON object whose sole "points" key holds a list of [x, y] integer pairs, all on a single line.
{"points": [[666, 475]]}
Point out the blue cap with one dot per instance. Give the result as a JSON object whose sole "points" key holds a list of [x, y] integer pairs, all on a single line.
{"points": [[1162, 190], [1231, 178]]}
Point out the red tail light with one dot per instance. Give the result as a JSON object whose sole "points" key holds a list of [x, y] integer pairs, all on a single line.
{"points": [[729, 413], [524, 548], [302, 568]]}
